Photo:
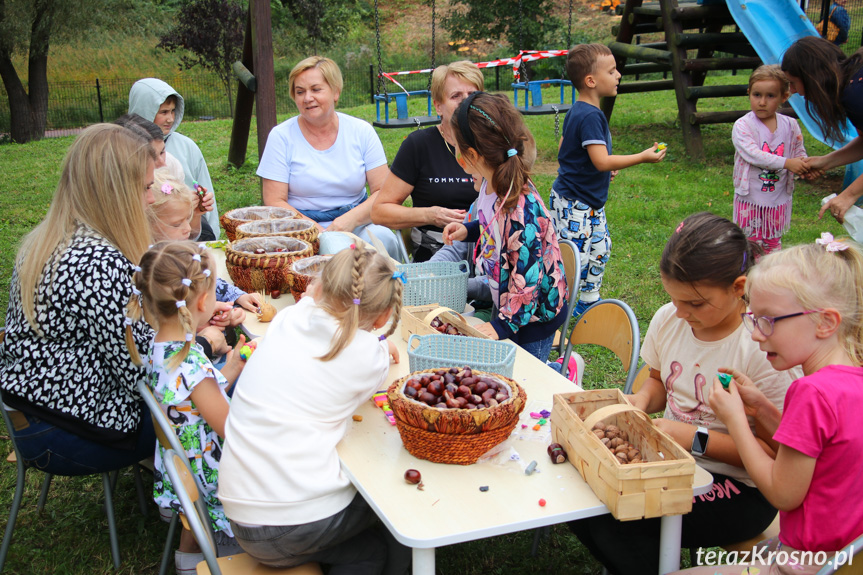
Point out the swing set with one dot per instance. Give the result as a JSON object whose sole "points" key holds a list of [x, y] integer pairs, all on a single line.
{"points": [[532, 100]]}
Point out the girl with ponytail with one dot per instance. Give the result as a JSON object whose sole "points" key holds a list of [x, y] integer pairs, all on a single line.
{"points": [[516, 240], [175, 291]]}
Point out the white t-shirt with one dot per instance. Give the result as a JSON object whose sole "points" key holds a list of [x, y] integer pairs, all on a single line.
{"points": [[279, 465], [688, 365], [322, 179]]}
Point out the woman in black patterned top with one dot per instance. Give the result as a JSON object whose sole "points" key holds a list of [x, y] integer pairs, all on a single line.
{"points": [[64, 367]]}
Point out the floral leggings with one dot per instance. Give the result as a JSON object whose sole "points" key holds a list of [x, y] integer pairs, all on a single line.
{"points": [[588, 230]]}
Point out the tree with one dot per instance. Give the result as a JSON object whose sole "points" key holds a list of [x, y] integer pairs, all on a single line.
{"points": [[30, 26], [525, 24], [324, 21], [209, 33]]}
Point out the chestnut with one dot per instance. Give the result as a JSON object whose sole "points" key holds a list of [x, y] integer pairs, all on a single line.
{"points": [[480, 387], [424, 380], [501, 397], [474, 399], [492, 402], [449, 378], [427, 397], [488, 394], [462, 402], [464, 391], [275, 294], [452, 388], [435, 387], [413, 476], [468, 381], [454, 370], [411, 392]]}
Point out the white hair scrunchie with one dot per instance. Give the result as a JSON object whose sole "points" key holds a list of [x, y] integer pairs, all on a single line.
{"points": [[181, 303]]}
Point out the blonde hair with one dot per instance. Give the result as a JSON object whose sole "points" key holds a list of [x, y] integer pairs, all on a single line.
{"points": [[179, 193], [101, 186], [170, 277], [820, 279], [329, 69], [356, 287], [770, 72], [463, 70]]}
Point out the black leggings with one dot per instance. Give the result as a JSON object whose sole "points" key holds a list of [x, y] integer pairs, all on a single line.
{"points": [[731, 512]]}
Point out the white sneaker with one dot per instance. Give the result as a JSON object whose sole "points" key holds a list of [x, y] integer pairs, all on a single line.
{"points": [[186, 563]]}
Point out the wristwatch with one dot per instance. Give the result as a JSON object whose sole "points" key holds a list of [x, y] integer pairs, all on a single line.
{"points": [[699, 442]]}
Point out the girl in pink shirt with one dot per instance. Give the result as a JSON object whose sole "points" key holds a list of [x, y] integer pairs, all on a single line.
{"points": [[805, 305]]}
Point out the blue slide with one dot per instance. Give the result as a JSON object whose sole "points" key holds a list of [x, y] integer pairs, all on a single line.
{"points": [[771, 26]]}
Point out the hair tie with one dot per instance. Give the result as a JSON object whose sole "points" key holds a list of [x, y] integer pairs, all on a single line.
{"points": [[743, 267], [830, 244], [190, 336], [400, 275], [181, 303], [196, 257], [150, 247], [382, 337], [463, 125], [138, 269], [511, 152], [206, 273], [356, 301], [135, 291], [186, 282], [679, 227], [127, 321], [167, 188], [353, 246]]}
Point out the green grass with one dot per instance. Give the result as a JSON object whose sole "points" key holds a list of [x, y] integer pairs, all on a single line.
{"points": [[645, 204]]}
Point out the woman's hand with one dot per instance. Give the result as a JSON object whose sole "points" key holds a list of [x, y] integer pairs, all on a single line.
{"points": [[487, 329], [440, 217], [343, 223], [796, 166], [454, 232], [216, 338], [837, 207]]}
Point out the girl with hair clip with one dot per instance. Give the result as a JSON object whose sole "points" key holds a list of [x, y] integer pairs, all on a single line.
{"points": [[832, 85], [806, 305], [281, 482], [176, 292], [64, 369], [516, 239], [703, 270]]}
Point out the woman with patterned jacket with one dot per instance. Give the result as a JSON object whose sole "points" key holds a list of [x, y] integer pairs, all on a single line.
{"points": [[65, 370], [516, 239]]}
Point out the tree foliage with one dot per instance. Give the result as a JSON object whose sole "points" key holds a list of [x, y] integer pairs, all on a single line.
{"points": [[524, 25], [31, 27], [209, 33], [324, 22]]}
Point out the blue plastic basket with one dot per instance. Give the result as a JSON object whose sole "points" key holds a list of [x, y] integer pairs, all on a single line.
{"points": [[443, 283], [438, 350]]}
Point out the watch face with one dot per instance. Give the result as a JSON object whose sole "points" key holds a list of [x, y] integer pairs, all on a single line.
{"points": [[699, 442]]}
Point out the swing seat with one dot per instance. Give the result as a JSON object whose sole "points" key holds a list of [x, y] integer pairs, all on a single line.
{"points": [[533, 104], [402, 119]]}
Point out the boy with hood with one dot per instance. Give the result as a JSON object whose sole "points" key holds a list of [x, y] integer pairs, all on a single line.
{"points": [[154, 99]]}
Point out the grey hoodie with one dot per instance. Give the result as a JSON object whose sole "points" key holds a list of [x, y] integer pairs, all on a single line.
{"points": [[145, 97]]}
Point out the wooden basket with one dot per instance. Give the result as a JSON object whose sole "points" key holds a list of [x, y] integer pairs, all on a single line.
{"points": [[300, 229], [304, 271], [230, 220], [416, 319], [265, 272], [662, 485], [461, 436]]}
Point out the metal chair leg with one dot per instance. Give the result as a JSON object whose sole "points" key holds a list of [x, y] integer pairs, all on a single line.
{"points": [[139, 488], [169, 544], [13, 514], [43, 495], [112, 525]]}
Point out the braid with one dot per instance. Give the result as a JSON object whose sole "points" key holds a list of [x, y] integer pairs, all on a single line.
{"points": [[134, 312], [396, 304]]}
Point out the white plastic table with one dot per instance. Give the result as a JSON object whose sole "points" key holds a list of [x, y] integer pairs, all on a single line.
{"points": [[451, 508]]}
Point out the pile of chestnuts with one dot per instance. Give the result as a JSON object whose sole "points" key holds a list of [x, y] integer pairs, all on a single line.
{"points": [[456, 388], [261, 251], [444, 327], [617, 441]]}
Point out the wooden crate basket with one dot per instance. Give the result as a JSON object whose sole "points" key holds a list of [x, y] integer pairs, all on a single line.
{"points": [[662, 485], [416, 319]]}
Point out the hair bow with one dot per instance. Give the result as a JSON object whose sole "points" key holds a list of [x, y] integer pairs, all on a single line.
{"points": [[400, 276], [830, 244], [167, 188]]}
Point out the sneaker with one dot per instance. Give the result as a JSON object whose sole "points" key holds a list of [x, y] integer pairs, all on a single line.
{"points": [[581, 307], [187, 563]]}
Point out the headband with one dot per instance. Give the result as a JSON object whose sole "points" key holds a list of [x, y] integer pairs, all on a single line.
{"points": [[463, 125]]}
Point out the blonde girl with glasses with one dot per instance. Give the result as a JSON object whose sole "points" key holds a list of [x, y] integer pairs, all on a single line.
{"points": [[176, 293], [703, 269], [817, 292]]}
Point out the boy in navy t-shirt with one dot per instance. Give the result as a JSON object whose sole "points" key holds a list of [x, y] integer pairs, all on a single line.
{"points": [[587, 167]]}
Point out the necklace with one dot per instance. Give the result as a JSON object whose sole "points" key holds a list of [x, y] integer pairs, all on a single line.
{"points": [[445, 143]]}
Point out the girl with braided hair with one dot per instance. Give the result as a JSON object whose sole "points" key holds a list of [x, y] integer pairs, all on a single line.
{"points": [[280, 480], [516, 239], [175, 290]]}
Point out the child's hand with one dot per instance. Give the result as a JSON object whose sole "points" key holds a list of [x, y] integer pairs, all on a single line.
{"points": [[216, 338], [753, 398], [613, 174], [236, 316], [454, 232], [727, 405], [394, 352], [206, 200], [234, 364], [221, 314], [653, 154], [796, 165], [250, 301]]}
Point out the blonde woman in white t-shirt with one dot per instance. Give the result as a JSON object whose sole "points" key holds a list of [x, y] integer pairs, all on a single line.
{"points": [[700, 333]]}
